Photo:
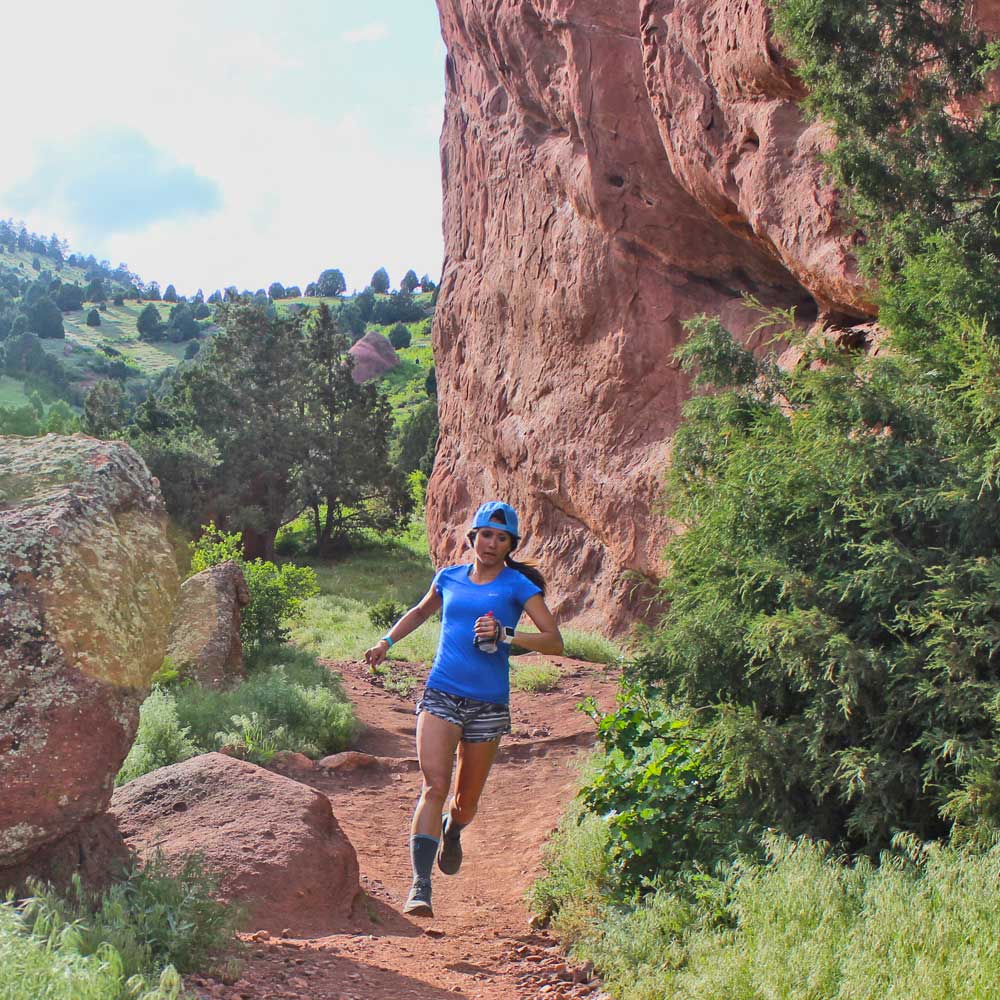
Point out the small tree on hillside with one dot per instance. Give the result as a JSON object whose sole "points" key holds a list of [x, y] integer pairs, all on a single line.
{"points": [[93, 318], [380, 281], [331, 282], [410, 281], [399, 337], [148, 324], [276, 290], [45, 318], [170, 295], [105, 410]]}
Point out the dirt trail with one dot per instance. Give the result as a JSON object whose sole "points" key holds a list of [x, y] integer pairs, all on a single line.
{"points": [[479, 944]]}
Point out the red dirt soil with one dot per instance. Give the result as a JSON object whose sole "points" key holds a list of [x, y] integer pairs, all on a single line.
{"points": [[480, 944]]}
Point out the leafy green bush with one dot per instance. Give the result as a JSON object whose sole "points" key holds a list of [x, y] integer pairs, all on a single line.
{"points": [[277, 592], [384, 614], [659, 792], [833, 597], [160, 740], [543, 676], [399, 336]]}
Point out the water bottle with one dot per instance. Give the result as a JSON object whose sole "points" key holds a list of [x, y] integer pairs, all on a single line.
{"points": [[488, 645]]}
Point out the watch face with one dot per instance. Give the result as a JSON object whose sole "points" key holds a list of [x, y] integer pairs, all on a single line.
{"points": [[508, 633]]}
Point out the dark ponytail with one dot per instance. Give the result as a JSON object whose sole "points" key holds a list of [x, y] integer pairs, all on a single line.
{"points": [[528, 569]]}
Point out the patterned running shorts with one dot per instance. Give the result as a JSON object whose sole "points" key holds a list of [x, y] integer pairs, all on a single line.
{"points": [[481, 721]]}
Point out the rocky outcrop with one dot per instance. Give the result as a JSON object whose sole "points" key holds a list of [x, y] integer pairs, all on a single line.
{"points": [[274, 843], [205, 639], [610, 170], [373, 356], [87, 586]]}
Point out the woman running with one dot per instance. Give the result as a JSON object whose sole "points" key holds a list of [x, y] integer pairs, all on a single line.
{"points": [[465, 704]]}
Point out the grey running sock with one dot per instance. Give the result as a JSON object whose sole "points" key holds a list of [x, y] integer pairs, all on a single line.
{"points": [[451, 829], [423, 851]]}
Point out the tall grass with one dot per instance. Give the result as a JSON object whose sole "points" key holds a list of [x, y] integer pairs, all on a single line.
{"points": [[131, 941], [288, 702], [591, 647], [803, 926], [336, 625], [296, 703]]}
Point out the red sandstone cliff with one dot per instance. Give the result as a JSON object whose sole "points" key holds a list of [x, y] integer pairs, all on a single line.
{"points": [[610, 169]]}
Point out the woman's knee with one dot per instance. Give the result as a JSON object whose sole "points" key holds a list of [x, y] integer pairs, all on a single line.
{"points": [[464, 807], [435, 787]]}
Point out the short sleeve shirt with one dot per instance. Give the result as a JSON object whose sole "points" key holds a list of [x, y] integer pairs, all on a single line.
{"points": [[459, 667]]}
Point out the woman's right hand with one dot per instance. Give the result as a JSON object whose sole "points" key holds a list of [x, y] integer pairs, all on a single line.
{"points": [[378, 652]]}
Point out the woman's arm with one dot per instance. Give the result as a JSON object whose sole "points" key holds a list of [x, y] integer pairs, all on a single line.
{"points": [[547, 639], [413, 618]]}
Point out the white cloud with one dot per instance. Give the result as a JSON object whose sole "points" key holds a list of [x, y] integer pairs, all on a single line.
{"points": [[298, 191], [373, 32]]}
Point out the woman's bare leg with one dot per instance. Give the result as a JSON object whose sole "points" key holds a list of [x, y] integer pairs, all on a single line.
{"points": [[436, 743], [474, 763]]}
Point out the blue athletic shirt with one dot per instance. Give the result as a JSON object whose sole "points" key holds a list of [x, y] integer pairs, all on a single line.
{"points": [[459, 667]]}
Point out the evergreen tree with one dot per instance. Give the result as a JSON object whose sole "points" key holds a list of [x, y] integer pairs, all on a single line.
{"points": [[399, 336], [170, 295], [105, 410], [380, 281], [331, 283], [45, 318], [410, 282], [93, 318], [148, 324]]}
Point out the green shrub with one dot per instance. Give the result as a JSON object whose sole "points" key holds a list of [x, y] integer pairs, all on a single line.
{"points": [[277, 592], [215, 546], [385, 614], [834, 592], [399, 336], [161, 739], [658, 789], [277, 595], [543, 676]]}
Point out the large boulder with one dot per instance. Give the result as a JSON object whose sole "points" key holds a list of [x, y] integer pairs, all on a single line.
{"points": [[611, 168], [205, 639], [373, 356], [87, 587], [273, 842]]}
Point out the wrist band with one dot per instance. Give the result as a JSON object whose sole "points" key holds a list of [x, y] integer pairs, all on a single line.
{"points": [[387, 639]]}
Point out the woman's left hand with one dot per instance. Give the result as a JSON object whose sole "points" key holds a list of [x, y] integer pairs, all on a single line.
{"points": [[487, 627]]}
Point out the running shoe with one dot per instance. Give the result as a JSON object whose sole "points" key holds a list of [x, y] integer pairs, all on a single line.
{"points": [[449, 857], [418, 903]]}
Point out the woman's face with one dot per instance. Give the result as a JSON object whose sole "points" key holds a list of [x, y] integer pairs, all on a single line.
{"points": [[491, 545]]}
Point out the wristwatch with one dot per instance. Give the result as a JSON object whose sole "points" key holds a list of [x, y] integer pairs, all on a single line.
{"points": [[507, 634]]}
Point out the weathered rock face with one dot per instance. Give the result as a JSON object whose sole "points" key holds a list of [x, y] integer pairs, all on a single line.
{"points": [[373, 356], [87, 586], [610, 170], [205, 634], [273, 842]]}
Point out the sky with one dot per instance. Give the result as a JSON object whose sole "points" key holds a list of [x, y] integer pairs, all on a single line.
{"points": [[208, 143]]}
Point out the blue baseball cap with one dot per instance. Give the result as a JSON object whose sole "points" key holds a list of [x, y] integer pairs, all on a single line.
{"points": [[486, 517]]}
